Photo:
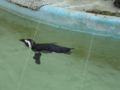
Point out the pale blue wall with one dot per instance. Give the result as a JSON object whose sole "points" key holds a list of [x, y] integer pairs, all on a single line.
{"points": [[74, 20]]}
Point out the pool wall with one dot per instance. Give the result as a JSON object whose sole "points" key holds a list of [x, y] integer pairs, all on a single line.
{"points": [[64, 18]]}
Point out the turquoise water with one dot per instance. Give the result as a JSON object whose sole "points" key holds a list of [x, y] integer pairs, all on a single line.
{"points": [[56, 71]]}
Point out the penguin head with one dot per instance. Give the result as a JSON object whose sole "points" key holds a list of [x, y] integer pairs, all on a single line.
{"points": [[28, 42]]}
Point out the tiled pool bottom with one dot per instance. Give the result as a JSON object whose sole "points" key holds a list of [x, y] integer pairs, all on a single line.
{"points": [[58, 71]]}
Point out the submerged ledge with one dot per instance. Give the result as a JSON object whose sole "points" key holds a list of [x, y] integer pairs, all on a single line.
{"points": [[73, 20]]}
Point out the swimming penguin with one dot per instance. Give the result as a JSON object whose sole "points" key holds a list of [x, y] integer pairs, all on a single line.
{"points": [[47, 47]]}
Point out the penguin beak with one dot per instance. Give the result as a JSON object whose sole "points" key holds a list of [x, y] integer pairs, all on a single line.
{"points": [[22, 40]]}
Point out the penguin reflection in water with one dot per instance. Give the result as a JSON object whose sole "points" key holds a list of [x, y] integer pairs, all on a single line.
{"points": [[46, 47]]}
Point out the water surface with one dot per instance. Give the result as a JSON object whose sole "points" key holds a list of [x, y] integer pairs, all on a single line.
{"points": [[56, 71]]}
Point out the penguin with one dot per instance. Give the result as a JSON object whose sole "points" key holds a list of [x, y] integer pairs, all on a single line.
{"points": [[117, 3], [45, 47]]}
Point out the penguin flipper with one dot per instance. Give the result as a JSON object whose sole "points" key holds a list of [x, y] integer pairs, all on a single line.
{"points": [[37, 58]]}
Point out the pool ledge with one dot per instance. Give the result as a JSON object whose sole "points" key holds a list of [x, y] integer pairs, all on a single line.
{"points": [[64, 18]]}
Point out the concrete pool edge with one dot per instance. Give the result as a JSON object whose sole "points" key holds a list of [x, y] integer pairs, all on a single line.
{"points": [[64, 18]]}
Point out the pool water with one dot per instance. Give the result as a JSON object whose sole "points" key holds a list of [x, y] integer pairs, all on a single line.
{"points": [[100, 70]]}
